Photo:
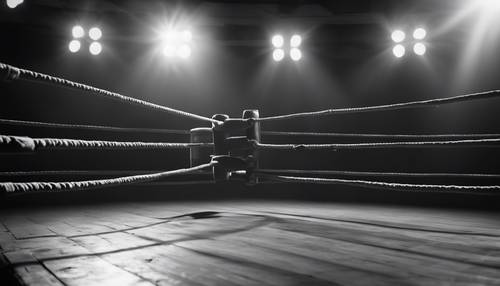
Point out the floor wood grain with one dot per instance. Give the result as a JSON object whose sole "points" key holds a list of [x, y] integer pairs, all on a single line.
{"points": [[249, 243]]}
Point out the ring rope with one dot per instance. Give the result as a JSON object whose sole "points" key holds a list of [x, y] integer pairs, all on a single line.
{"points": [[387, 185], [28, 144], [27, 187], [371, 174], [91, 127], [386, 136], [85, 173], [354, 146], [387, 107], [15, 73]]}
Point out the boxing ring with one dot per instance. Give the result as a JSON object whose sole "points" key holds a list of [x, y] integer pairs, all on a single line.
{"points": [[245, 243]]}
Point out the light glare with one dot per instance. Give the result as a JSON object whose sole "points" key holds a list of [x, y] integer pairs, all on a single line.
{"points": [[95, 48], [14, 3], [398, 36], [187, 36], [74, 46], [184, 52], [277, 41], [419, 34], [295, 54], [95, 33], [278, 55], [419, 49], [77, 32], [399, 51], [295, 41], [168, 51]]}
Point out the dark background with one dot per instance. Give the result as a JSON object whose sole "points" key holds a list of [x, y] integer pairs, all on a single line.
{"points": [[347, 62]]}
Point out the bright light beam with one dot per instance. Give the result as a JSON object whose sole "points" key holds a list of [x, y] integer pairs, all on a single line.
{"points": [[399, 51], [277, 41], [14, 3], [77, 32], [398, 36]]}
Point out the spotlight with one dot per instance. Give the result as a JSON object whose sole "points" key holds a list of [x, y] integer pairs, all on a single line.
{"points": [[278, 55], [398, 36], [95, 48], [168, 51], [399, 51], [277, 41], [295, 54], [295, 41], [187, 36], [419, 49], [491, 5], [77, 32], [176, 43], [74, 46], [419, 34], [184, 51], [95, 33], [14, 3]]}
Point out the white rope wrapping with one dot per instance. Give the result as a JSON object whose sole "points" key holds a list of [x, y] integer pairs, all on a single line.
{"points": [[14, 73], [11, 188], [387, 107], [27, 144], [91, 127], [387, 185], [416, 144]]}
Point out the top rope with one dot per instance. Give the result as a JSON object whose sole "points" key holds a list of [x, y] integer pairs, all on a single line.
{"points": [[10, 73], [387, 107]]}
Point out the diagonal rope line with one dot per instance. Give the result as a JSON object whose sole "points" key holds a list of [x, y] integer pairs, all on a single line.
{"points": [[85, 173], [373, 174], [11, 188], [385, 136], [355, 146], [13, 73], [91, 127], [387, 107], [27, 144], [493, 189]]}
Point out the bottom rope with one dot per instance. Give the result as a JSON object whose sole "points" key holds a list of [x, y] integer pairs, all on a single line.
{"points": [[387, 185], [11, 188]]}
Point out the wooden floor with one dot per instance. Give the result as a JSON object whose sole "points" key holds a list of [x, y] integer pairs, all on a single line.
{"points": [[249, 243]]}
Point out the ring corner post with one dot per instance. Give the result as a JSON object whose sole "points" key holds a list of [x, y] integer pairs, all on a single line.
{"points": [[252, 133], [220, 147]]}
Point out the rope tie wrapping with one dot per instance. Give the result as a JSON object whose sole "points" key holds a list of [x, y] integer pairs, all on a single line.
{"points": [[387, 107], [416, 144], [14, 73], [27, 144], [11, 188], [493, 189]]}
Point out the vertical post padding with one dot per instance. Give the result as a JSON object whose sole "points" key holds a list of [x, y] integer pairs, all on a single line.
{"points": [[252, 133], [200, 155], [220, 147]]}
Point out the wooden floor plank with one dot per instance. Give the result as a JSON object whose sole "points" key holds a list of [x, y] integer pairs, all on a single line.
{"points": [[250, 243], [35, 274], [22, 227], [404, 265], [88, 271]]}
